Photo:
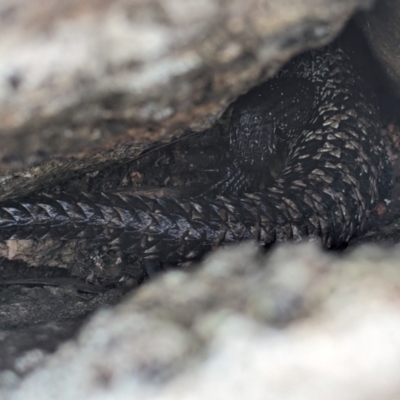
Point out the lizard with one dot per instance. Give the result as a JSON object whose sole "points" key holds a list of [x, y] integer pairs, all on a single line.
{"points": [[317, 117]]}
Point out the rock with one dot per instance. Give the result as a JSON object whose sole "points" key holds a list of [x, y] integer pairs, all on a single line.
{"points": [[382, 29], [298, 324], [81, 77]]}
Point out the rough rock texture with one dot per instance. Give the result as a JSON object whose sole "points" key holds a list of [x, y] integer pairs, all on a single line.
{"points": [[298, 324], [382, 29], [78, 77]]}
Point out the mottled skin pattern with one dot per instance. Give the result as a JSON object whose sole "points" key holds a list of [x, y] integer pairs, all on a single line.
{"points": [[321, 120]]}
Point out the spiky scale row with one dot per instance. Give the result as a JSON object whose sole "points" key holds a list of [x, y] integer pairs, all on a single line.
{"points": [[335, 171]]}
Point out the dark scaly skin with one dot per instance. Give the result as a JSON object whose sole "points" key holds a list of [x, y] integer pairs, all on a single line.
{"points": [[317, 113]]}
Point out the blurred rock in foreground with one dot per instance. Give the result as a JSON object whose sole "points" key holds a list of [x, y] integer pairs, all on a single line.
{"points": [[297, 324]]}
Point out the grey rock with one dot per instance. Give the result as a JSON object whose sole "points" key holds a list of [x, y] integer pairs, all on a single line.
{"points": [[298, 324], [382, 29], [81, 77]]}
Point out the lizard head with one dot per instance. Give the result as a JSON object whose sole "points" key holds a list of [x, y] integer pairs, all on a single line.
{"points": [[265, 117]]}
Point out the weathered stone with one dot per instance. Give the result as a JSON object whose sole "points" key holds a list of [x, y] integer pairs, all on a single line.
{"points": [[299, 324], [82, 76], [382, 29]]}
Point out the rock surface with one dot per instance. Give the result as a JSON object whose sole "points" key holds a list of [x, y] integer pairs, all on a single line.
{"points": [[298, 324], [382, 29], [82, 76]]}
